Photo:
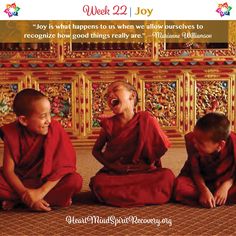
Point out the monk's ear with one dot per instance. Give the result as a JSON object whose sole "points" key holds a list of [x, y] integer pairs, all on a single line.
{"points": [[221, 145], [132, 95], [22, 120]]}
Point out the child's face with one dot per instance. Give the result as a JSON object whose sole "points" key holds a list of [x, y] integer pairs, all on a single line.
{"points": [[204, 144], [39, 120], [120, 99]]}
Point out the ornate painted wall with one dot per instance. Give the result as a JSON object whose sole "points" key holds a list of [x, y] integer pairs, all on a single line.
{"points": [[176, 85]]}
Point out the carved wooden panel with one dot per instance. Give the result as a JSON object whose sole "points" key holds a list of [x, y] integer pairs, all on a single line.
{"points": [[100, 50], [176, 97], [211, 92], [164, 98], [62, 93], [9, 87]]}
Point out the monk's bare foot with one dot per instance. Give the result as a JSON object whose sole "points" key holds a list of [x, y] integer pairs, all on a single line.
{"points": [[8, 205]]}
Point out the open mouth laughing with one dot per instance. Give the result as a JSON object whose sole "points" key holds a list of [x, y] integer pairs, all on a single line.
{"points": [[115, 102]]}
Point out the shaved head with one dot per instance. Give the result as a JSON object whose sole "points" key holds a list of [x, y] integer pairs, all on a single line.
{"points": [[23, 101]]}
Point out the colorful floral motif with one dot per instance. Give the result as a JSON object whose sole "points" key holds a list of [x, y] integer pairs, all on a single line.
{"points": [[211, 96], [99, 104], [7, 94], [161, 101], [60, 96]]}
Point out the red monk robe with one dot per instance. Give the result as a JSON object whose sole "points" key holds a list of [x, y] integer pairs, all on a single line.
{"points": [[39, 159], [216, 169], [140, 141]]}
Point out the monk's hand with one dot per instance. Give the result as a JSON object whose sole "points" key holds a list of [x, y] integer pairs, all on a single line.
{"points": [[117, 166], [41, 205], [221, 193], [32, 196], [141, 166], [207, 199]]}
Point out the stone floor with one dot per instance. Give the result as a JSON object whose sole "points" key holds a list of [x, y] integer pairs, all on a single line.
{"points": [[90, 218]]}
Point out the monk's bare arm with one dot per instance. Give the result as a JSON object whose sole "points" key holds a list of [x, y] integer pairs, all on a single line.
{"points": [[34, 197], [221, 193], [48, 186], [206, 197], [38, 194], [9, 173], [197, 177], [13, 179], [195, 169], [228, 183], [199, 181]]}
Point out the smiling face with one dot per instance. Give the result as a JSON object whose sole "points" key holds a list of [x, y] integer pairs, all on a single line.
{"points": [[204, 144], [120, 99], [39, 119]]}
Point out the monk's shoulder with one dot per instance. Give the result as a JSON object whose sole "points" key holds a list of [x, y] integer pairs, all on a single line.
{"points": [[146, 115], [56, 126], [107, 122], [11, 125], [232, 139], [188, 137], [149, 119], [55, 123], [233, 135], [10, 129]]}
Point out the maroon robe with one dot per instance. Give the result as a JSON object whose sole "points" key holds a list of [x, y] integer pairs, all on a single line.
{"points": [[41, 158], [140, 141], [215, 169]]}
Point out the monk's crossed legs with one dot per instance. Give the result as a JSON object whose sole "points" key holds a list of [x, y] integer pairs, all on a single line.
{"points": [[185, 191], [61, 195]]}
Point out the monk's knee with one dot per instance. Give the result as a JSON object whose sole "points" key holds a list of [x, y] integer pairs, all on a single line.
{"points": [[180, 186], [98, 180], [164, 185], [78, 182], [73, 182], [232, 195], [168, 175]]}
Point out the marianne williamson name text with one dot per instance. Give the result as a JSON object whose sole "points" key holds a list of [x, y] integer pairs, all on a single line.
{"points": [[184, 35]]}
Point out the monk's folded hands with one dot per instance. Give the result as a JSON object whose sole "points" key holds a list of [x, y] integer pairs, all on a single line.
{"points": [[31, 196], [41, 205]]}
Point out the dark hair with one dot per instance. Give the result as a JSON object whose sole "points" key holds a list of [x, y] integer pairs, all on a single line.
{"points": [[22, 104], [127, 85], [215, 123]]}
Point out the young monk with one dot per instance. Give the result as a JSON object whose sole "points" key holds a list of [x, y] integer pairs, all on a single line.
{"points": [[39, 161], [130, 146], [207, 177]]}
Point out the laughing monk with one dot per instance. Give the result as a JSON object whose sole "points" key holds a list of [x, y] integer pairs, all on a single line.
{"points": [[130, 146], [39, 161], [207, 178]]}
